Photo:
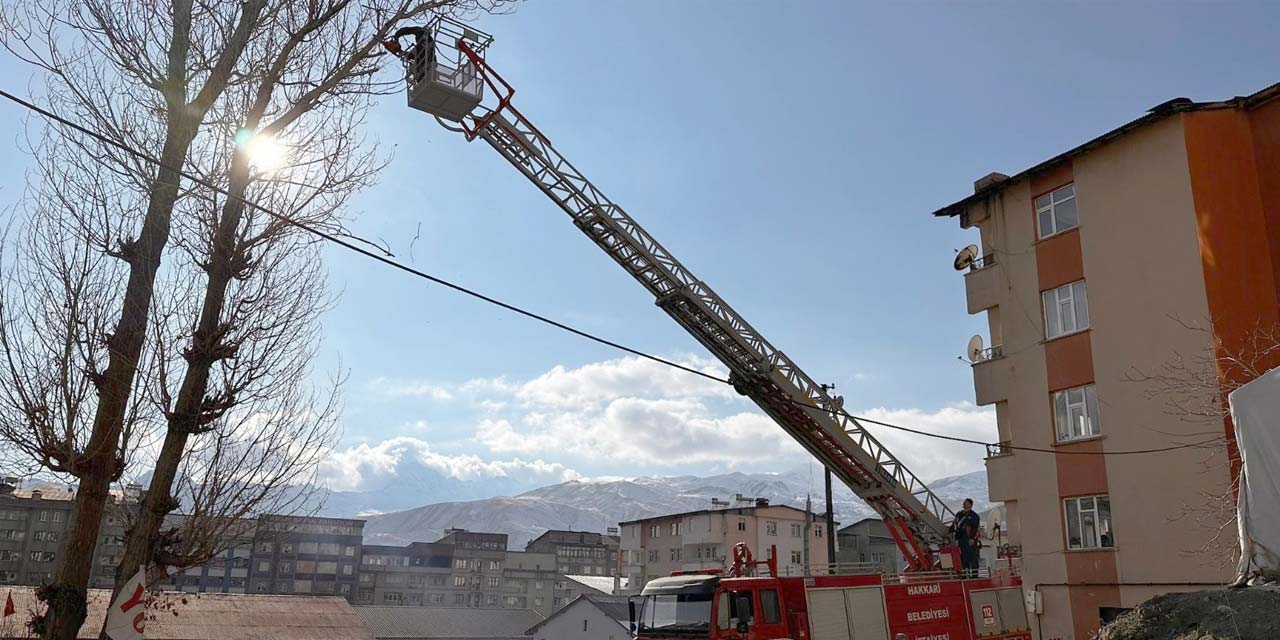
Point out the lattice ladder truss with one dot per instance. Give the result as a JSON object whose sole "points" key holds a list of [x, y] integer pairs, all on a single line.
{"points": [[913, 513]]}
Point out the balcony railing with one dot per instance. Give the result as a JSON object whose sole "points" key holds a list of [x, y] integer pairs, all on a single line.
{"points": [[1002, 448], [982, 262], [993, 352]]}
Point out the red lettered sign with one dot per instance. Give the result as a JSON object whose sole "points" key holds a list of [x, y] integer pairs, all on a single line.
{"points": [[988, 615], [927, 610]]}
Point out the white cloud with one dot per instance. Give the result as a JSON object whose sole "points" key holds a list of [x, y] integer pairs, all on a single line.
{"points": [[634, 413], [932, 458], [630, 377], [410, 389], [405, 458]]}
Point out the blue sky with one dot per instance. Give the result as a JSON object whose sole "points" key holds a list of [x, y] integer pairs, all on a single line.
{"points": [[790, 158]]}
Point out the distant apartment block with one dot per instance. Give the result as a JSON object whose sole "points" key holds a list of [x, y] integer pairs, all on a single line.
{"points": [[1156, 241], [297, 555], [463, 569], [868, 543], [654, 547], [579, 553], [33, 525]]}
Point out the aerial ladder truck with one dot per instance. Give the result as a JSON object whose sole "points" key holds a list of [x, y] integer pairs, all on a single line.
{"points": [[448, 77]]}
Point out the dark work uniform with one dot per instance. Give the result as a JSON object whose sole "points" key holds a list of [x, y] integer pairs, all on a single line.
{"points": [[965, 527]]}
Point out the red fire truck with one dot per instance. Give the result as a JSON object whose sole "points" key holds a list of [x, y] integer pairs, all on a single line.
{"points": [[448, 77], [752, 602]]}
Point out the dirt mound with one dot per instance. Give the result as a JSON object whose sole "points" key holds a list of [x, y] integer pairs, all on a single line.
{"points": [[1251, 613]]}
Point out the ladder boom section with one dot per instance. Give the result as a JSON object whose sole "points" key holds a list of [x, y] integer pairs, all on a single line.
{"points": [[758, 370]]}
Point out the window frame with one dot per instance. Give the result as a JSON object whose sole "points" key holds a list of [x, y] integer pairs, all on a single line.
{"points": [[1051, 208], [1100, 538], [1076, 309], [1088, 407]]}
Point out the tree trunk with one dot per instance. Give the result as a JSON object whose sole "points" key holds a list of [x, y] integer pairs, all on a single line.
{"points": [[101, 464], [184, 419]]}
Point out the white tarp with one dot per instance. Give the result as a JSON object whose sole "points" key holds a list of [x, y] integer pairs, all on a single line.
{"points": [[1255, 410]]}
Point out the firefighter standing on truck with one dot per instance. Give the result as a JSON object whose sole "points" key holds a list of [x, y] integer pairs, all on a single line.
{"points": [[965, 529]]}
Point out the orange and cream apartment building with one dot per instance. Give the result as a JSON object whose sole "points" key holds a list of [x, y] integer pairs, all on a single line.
{"points": [[1097, 266]]}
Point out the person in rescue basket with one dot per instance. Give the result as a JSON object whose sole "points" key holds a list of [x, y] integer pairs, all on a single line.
{"points": [[965, 529]]}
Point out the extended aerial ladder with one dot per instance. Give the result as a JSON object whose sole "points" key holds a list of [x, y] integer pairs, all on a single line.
{"points": [[447, 76]]}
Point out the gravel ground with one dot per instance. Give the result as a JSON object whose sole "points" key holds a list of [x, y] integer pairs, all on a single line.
{"points": [[1252, 613]]}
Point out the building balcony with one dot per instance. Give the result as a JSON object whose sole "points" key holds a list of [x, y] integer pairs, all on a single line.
{"points": [[984, 284], [992, 377], [1002, 478]]}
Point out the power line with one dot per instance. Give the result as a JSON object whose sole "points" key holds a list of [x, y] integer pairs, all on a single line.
{"points": [[329, 237], [350, 245]]}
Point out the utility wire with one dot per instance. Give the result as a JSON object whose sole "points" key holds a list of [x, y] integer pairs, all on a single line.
{"points": [[349, 245], [329, 237]]}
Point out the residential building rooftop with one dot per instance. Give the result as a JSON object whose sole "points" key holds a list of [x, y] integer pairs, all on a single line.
{"points": [[428, 623]]}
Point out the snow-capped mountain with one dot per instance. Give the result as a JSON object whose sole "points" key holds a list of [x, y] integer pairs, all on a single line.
{"points": [[595, 506]]}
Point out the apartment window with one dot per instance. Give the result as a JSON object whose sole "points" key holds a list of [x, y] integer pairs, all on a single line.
{"points": [[817, 532], [437, 598], [286, 567], [346, 569], [796, 530], [655, 531], [330, 548], [307, 547], [653, 556], [770, 528], [265, 547], [491, 599], [494, 582], [366, 577], [42, 556], [326, 567], [44, 516], [264, 566], [394, 578], [742, 525], [494, 565], [1089, 523], [460, 564], [57, 516], [1056, 211], [537, 602], [1075, 412], [795, 557], [459, 581], [675, 528], [348, 551], [1066, 310], [675, 555], [392, 596], [459, 598], [286, 548]]}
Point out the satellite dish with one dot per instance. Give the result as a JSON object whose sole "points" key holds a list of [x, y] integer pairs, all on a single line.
{"points": [[965, 257], [975, 350]]}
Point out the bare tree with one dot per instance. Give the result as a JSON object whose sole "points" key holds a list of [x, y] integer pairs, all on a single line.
{"points": [[180, 81], [1193, 388]]}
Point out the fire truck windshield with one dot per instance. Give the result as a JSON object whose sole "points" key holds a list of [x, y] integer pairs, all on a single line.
{"points": [[685, 615]]}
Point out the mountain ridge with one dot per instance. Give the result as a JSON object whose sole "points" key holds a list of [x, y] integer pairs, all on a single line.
{"points": [[589, 505]]}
